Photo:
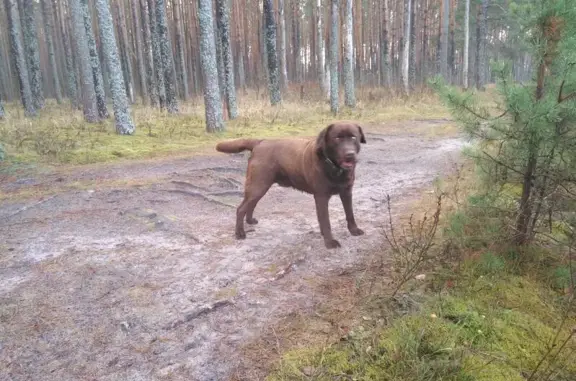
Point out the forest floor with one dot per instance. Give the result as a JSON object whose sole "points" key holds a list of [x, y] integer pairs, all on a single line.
{"points": [[130, 270]]}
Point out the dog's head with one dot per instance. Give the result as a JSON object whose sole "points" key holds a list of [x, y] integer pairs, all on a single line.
{"points": [[340, 142]]}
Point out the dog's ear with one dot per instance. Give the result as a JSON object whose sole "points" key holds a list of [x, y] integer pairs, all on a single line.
{"points": [[323, 138], [362, 137]]}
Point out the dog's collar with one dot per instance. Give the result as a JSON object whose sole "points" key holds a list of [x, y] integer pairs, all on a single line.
{"points": [[334, 170]]}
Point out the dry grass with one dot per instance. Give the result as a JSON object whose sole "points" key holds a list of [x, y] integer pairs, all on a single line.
{"points": [[60, 135]]}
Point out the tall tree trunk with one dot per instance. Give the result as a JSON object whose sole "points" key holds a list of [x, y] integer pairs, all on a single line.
{"points": [[151, 83], [156, 54], [125, 50], [166, 56], [349, 93], [223, 24], [70, 75], [139, 51], [444, 39], [406, 49], [412, 52], [273, 75], [466, 44], [124, 124], [48, 16], [320, 43], [334, 50], [98, 80], [385, 57], [482, 49], [19, 57], [32, 53], [241, 44], [212, 100], [182, 72], [282, 50], [83, 58]]}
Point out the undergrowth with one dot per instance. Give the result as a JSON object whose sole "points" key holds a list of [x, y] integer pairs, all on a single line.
{"points": [[60, 135], [486, 311]]}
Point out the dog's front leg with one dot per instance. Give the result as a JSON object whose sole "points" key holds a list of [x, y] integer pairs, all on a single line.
{"points": [[346, 198], [324, 221]]}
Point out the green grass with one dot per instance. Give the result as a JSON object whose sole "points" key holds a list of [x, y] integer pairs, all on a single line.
{"points": [[491, 327], [60, 134]]}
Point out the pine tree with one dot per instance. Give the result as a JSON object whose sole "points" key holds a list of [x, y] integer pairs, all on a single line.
{"points": [[149, 54], [19, 56], [535, 131], [212, 100], [273, 72], [124, 124], [156, 54]]}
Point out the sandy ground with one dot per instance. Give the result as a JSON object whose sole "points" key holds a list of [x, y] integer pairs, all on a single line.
{"points": [[137, 275]]}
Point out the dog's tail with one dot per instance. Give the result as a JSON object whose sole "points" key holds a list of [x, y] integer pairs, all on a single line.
{"points": [[237, 145]]}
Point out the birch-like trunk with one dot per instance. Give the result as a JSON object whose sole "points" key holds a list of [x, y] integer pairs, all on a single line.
{"points": [[406, 48], [334, 49], [466, 44], [349, 93], [282, 50]]}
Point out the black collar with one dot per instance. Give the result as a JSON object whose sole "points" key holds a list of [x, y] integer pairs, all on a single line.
{"points": [[333, 170]]}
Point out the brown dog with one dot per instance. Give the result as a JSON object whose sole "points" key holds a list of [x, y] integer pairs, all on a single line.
{"points": [[323, 167]]}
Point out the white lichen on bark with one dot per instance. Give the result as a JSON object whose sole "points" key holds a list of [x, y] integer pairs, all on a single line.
{"points": [[166, 57]]}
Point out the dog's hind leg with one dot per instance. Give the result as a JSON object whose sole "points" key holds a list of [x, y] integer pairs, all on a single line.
{"points": [[257, 184]]}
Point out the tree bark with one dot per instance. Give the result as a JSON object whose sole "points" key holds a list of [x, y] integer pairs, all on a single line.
{"points": [[466, 45], [349, 93], [90, 107], [19, 57], [94, 62], [166, 57], [223, 24], [444, 39], [273, 74], [48, 16], [334, 50], [32, 53], [406, 48], [212, 100], [124, 124], [151, 83], [282, 50], [139, 51], [181, 70]]}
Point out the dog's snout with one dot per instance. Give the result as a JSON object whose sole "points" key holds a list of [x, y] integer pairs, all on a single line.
{"points": [[350, 155]]}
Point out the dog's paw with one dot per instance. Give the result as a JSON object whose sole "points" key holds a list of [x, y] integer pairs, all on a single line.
{"points": [[251, 221], [332, 244], [356, 231], [240, 234]]}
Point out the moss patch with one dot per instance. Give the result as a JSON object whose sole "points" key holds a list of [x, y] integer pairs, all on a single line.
{"points": [[490, 328]]}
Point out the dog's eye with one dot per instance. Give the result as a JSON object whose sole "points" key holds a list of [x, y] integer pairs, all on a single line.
{"points": [[353, 137]]}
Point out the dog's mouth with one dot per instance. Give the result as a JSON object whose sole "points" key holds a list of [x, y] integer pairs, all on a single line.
{"points": [[348, 163]]}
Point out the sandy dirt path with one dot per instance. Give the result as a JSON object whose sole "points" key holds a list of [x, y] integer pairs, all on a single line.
{"points": [[139, 276]]}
